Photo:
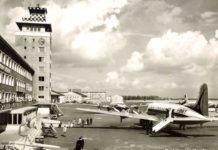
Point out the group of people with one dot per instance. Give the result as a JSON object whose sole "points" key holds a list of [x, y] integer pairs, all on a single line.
{"points": [[77, 122], [82, 122]]}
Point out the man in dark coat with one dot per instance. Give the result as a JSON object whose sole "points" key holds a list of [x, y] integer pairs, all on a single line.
{"points": [[80, 144]]}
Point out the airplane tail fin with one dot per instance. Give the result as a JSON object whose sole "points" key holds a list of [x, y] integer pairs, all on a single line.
{"points": [[201, 105], [186, 97], [185, 100]]}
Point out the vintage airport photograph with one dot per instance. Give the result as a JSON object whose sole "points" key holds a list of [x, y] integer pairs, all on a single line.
{"points": [[108, 74]]}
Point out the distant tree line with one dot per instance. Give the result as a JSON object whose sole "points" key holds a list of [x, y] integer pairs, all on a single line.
{"points": [[138, 97]]}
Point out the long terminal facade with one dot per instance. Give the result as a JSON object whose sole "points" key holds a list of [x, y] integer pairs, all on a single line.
{"points": [[16, 76]]}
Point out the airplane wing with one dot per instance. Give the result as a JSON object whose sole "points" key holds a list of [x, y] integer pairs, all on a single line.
{"points": [[34, 145], [122, 114], [162, 124], [180, 120]]}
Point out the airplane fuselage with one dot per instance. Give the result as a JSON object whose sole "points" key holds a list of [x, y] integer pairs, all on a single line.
{"points": [[162, 109]]}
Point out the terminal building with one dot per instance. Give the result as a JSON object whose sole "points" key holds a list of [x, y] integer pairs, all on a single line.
{"points": [[33, 43], [95, 96], [16, 75]]}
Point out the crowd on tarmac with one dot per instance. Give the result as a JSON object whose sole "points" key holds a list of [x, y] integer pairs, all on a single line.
{"points": [[70, 124], [80, 122]]}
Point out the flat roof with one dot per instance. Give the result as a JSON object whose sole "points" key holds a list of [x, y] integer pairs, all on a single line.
{"points": [[9, 50], [23, 110]]}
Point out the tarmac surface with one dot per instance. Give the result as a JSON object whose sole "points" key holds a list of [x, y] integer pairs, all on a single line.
{"points": [[107, 133]]}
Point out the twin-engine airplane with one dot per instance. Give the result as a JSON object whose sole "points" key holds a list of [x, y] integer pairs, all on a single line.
{"points": [[169, 113]]}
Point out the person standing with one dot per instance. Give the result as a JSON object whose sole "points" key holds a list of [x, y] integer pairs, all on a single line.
{"points": [[71, 124], [87, 120], [64, 131], [80, 144], [79, 121], [83, 122], [68, 124], [74, 122], [90, 120]]}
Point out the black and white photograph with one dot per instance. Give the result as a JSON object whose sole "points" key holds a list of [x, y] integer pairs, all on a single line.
{"points": [[108, 74]]}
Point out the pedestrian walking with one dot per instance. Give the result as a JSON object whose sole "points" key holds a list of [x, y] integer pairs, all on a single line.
{"points": [[80, 144], [64, 131]]}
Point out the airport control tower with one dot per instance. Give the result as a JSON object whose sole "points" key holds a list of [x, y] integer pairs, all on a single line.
{"points": [[34, 42]]}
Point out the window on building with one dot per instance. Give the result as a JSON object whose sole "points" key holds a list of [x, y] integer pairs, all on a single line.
{"points": [[41, 78], [24, 57], [40, 96], [24, 47], [9, 118], [0, 56], [41, 59], [3, 58], [19, 118], [14, 118], [33, 40], [41, 88], [3, 78], [42, 49], [6, 60], [41, 68]]}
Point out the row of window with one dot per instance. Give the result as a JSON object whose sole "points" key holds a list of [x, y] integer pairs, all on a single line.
{"points": [[20, 84], [9, 80], [7, 97], [41, 49], [6, 60], [29, 87], [6, 79]]}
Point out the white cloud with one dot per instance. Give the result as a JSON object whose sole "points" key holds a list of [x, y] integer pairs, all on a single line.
{"points": [[134, 63], [170, 85], [76, 22], [208, 14], [97, 45], [115, 80], [179, 50], [170, 16], [11, 27]]}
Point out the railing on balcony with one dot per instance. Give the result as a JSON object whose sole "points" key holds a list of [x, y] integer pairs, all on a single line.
{"points": [[13, 104]]}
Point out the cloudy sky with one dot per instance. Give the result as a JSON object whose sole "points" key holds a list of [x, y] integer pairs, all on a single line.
{"points": [[128, 47]]}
